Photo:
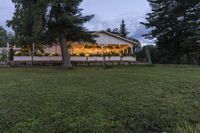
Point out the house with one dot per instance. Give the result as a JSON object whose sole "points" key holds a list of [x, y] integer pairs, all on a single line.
{"points": [[112, 46], [107, 43]]}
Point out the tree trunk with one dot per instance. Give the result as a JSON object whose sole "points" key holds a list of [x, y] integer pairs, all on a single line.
{"points": [[66, 62], [32, 54], [188, 58], [178, 59], [194, 61], [148, 54]]}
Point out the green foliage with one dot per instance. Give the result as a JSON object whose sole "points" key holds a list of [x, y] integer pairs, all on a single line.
{"points": [[46, 21], [3, 55], [18, 54], [119, 99], [123, 29], [3, 37], [28, 20], [137, 42], [55, 54], [154, 53], [81, 54], [109, 30], [65, 17], [175, 24]]}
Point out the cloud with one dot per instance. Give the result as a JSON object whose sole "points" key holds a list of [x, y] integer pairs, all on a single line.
{"points": [[132, 22], [132, 19], [6, 13]]}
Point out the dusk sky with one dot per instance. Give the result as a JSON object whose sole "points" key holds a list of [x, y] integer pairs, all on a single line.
{"points": [[108, 13]]}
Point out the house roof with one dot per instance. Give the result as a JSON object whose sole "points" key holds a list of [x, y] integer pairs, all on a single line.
{"points": [[115, 35]]}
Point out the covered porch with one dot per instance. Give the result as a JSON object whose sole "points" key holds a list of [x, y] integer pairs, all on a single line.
{"points": [[78, 49]]}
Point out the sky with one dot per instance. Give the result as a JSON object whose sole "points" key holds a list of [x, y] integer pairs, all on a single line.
{"points": [[108, 14]]}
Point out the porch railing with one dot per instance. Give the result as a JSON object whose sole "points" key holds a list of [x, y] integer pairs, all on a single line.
{"points": [[76, 58]]}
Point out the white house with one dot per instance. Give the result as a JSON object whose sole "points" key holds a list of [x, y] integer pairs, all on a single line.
{"points": [[106, 43], [109, 45]]}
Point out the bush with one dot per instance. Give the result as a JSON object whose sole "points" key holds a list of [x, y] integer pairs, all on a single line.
{"points": [[56, 54], [81, 54], [22, 54], [46, 54], [38, 54], [3, 55]]}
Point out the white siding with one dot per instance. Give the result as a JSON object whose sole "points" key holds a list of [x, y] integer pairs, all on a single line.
{"points": [[107, 39]]}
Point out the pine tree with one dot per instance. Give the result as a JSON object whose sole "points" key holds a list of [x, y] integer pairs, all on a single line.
{"points": [[3, 36], [109, 30], [50, 21], [170, 25], [28, 21], [66, 23], [189, 18], [123, 29]]}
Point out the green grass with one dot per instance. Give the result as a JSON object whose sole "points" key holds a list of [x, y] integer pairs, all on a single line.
{"points": [[119, 99]]}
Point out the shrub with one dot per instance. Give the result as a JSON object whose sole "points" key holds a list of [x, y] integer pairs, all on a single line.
{"points": [[46, 54], [3, 55], [56, 54], [38, 54], [81, 54]]}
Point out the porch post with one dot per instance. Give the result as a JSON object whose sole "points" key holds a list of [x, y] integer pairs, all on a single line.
{"points": [[33, 52], [7, 51], [104, 59], [132, 52]]}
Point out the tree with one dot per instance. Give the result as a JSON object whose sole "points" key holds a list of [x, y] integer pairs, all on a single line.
{"points": [[116, 30], [27, 22], [48, 21], [190, 16], [24, 20], [136, 41], [174, 23], [109, 30], [65, 22], [154, 54], [123, 29], [3, 36], [138, 45]]}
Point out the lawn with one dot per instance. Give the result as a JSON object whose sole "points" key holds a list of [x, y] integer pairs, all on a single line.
{"points": [[92, 99]]}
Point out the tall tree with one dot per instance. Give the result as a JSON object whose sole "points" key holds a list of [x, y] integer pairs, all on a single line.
{"points": [[109, 30], [65, 22], [123, 29], [49, 21], [189, 19], [3, 36], [28, 21], [171, 25]]}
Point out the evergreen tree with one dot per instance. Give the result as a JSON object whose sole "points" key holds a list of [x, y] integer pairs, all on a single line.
{"points": [[50, 21], [138, 44], [27, 22], [116, 30], [123, 29], [189, 18], [3, 36], [65, 22], [170, 23], [109, 30]]}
